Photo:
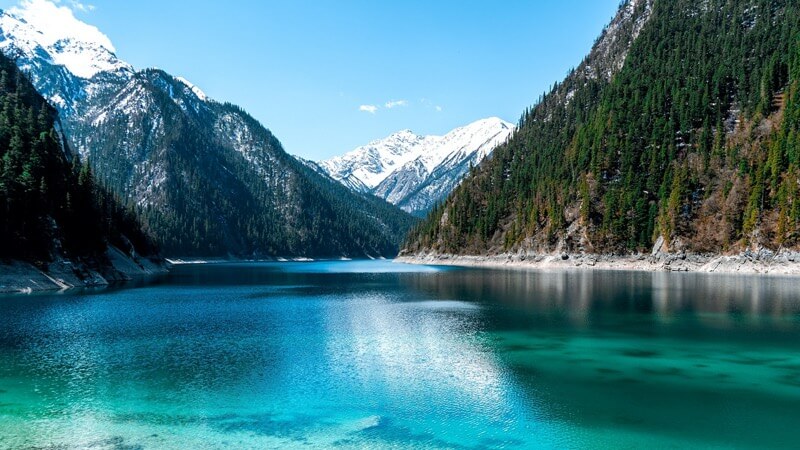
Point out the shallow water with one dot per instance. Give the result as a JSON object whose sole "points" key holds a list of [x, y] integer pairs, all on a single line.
{"points": [[377, 355]]}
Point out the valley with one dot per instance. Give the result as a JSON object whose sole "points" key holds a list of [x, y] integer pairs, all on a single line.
{"points": [[261, 260]]}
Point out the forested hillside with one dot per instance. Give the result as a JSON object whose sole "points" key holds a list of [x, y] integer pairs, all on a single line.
{"points": [[682, 123], [210, 180], [50, 204], [206, 179]]}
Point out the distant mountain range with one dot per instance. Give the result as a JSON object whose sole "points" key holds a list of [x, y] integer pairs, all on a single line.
{"points": [[206, 178], [416, 172]]}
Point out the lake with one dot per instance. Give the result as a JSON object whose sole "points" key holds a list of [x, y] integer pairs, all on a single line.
{"points": [[382, 355]]}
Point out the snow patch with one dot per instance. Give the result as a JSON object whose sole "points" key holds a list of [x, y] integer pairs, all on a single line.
{"points": [[196, 90]]}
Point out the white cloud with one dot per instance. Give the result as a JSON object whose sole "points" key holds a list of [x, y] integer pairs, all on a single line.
{"points": [[429, 104], [80, 6], [58, 22], [396, 103], [372, 109]]}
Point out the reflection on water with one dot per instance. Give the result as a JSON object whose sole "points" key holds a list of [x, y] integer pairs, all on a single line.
{"points": [[640, 358], [580, 294], [375, 354]]}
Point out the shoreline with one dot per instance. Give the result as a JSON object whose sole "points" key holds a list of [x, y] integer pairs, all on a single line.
{"points": [[277, 259], [764, 262], [20, 277]]}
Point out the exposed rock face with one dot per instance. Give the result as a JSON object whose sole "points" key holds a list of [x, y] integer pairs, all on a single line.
{"points": [[24, 277]]}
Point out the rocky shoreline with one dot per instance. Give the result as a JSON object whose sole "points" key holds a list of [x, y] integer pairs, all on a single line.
{"points": [[763, 262], [23, 277]]}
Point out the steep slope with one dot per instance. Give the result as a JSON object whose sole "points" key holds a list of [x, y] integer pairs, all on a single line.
{"points": [[52, 213], [365, 167], [416, 172], [677, 133], [207, 179]]}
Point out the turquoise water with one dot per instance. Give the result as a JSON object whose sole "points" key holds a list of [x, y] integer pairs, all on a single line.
{"points": [[381, 355]]}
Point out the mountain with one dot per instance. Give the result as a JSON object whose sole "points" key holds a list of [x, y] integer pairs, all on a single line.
{"points": [[678, 133], [206, 178], [416, 172], [52, 212]]}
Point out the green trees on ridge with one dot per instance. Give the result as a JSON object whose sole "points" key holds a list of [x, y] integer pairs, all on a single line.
{"points": [[694, 139], [50, 204]]}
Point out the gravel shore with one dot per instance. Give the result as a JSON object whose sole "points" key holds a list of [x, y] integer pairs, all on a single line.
{"points": [[762, 262]]}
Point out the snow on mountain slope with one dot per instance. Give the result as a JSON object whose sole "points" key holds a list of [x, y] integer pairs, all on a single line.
{"points": [[415, 172], [42, 29], [71, 63], [196, 90], [365, 167]]}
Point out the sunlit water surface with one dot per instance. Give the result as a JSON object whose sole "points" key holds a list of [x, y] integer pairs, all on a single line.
{"points": [[382, 355]]}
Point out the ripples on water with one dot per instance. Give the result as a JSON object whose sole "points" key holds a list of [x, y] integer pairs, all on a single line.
{"points": [[373, 354]]}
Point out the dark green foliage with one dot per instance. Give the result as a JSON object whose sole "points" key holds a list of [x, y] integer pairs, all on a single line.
{"points": [[208, 180], [694, 139], [49, 203]]}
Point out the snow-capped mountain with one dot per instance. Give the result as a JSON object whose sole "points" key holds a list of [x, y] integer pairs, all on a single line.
{"points": [[416, 172], [58, 52], [43, 31], [364, 168], [207, 178]]}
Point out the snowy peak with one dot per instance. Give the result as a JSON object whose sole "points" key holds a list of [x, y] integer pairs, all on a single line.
{"points": [[40, 29], [398, 167], [479, 137], [367, 166], [376, 161], [72, 63]]}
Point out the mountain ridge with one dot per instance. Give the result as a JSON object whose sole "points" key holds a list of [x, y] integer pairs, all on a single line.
{"points": [[60, 228], [415, 172], [677, 133], [206, 177]]}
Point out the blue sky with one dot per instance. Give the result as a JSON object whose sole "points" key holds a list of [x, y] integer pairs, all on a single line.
{"points": [[328, 76]]}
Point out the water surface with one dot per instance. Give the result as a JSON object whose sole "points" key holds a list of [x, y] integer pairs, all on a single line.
{"points": [[382, 355]]}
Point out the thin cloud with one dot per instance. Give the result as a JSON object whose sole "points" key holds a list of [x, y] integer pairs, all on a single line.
{"points": [[80, 6], [429, 104], [396, 103], [372, 109]]}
